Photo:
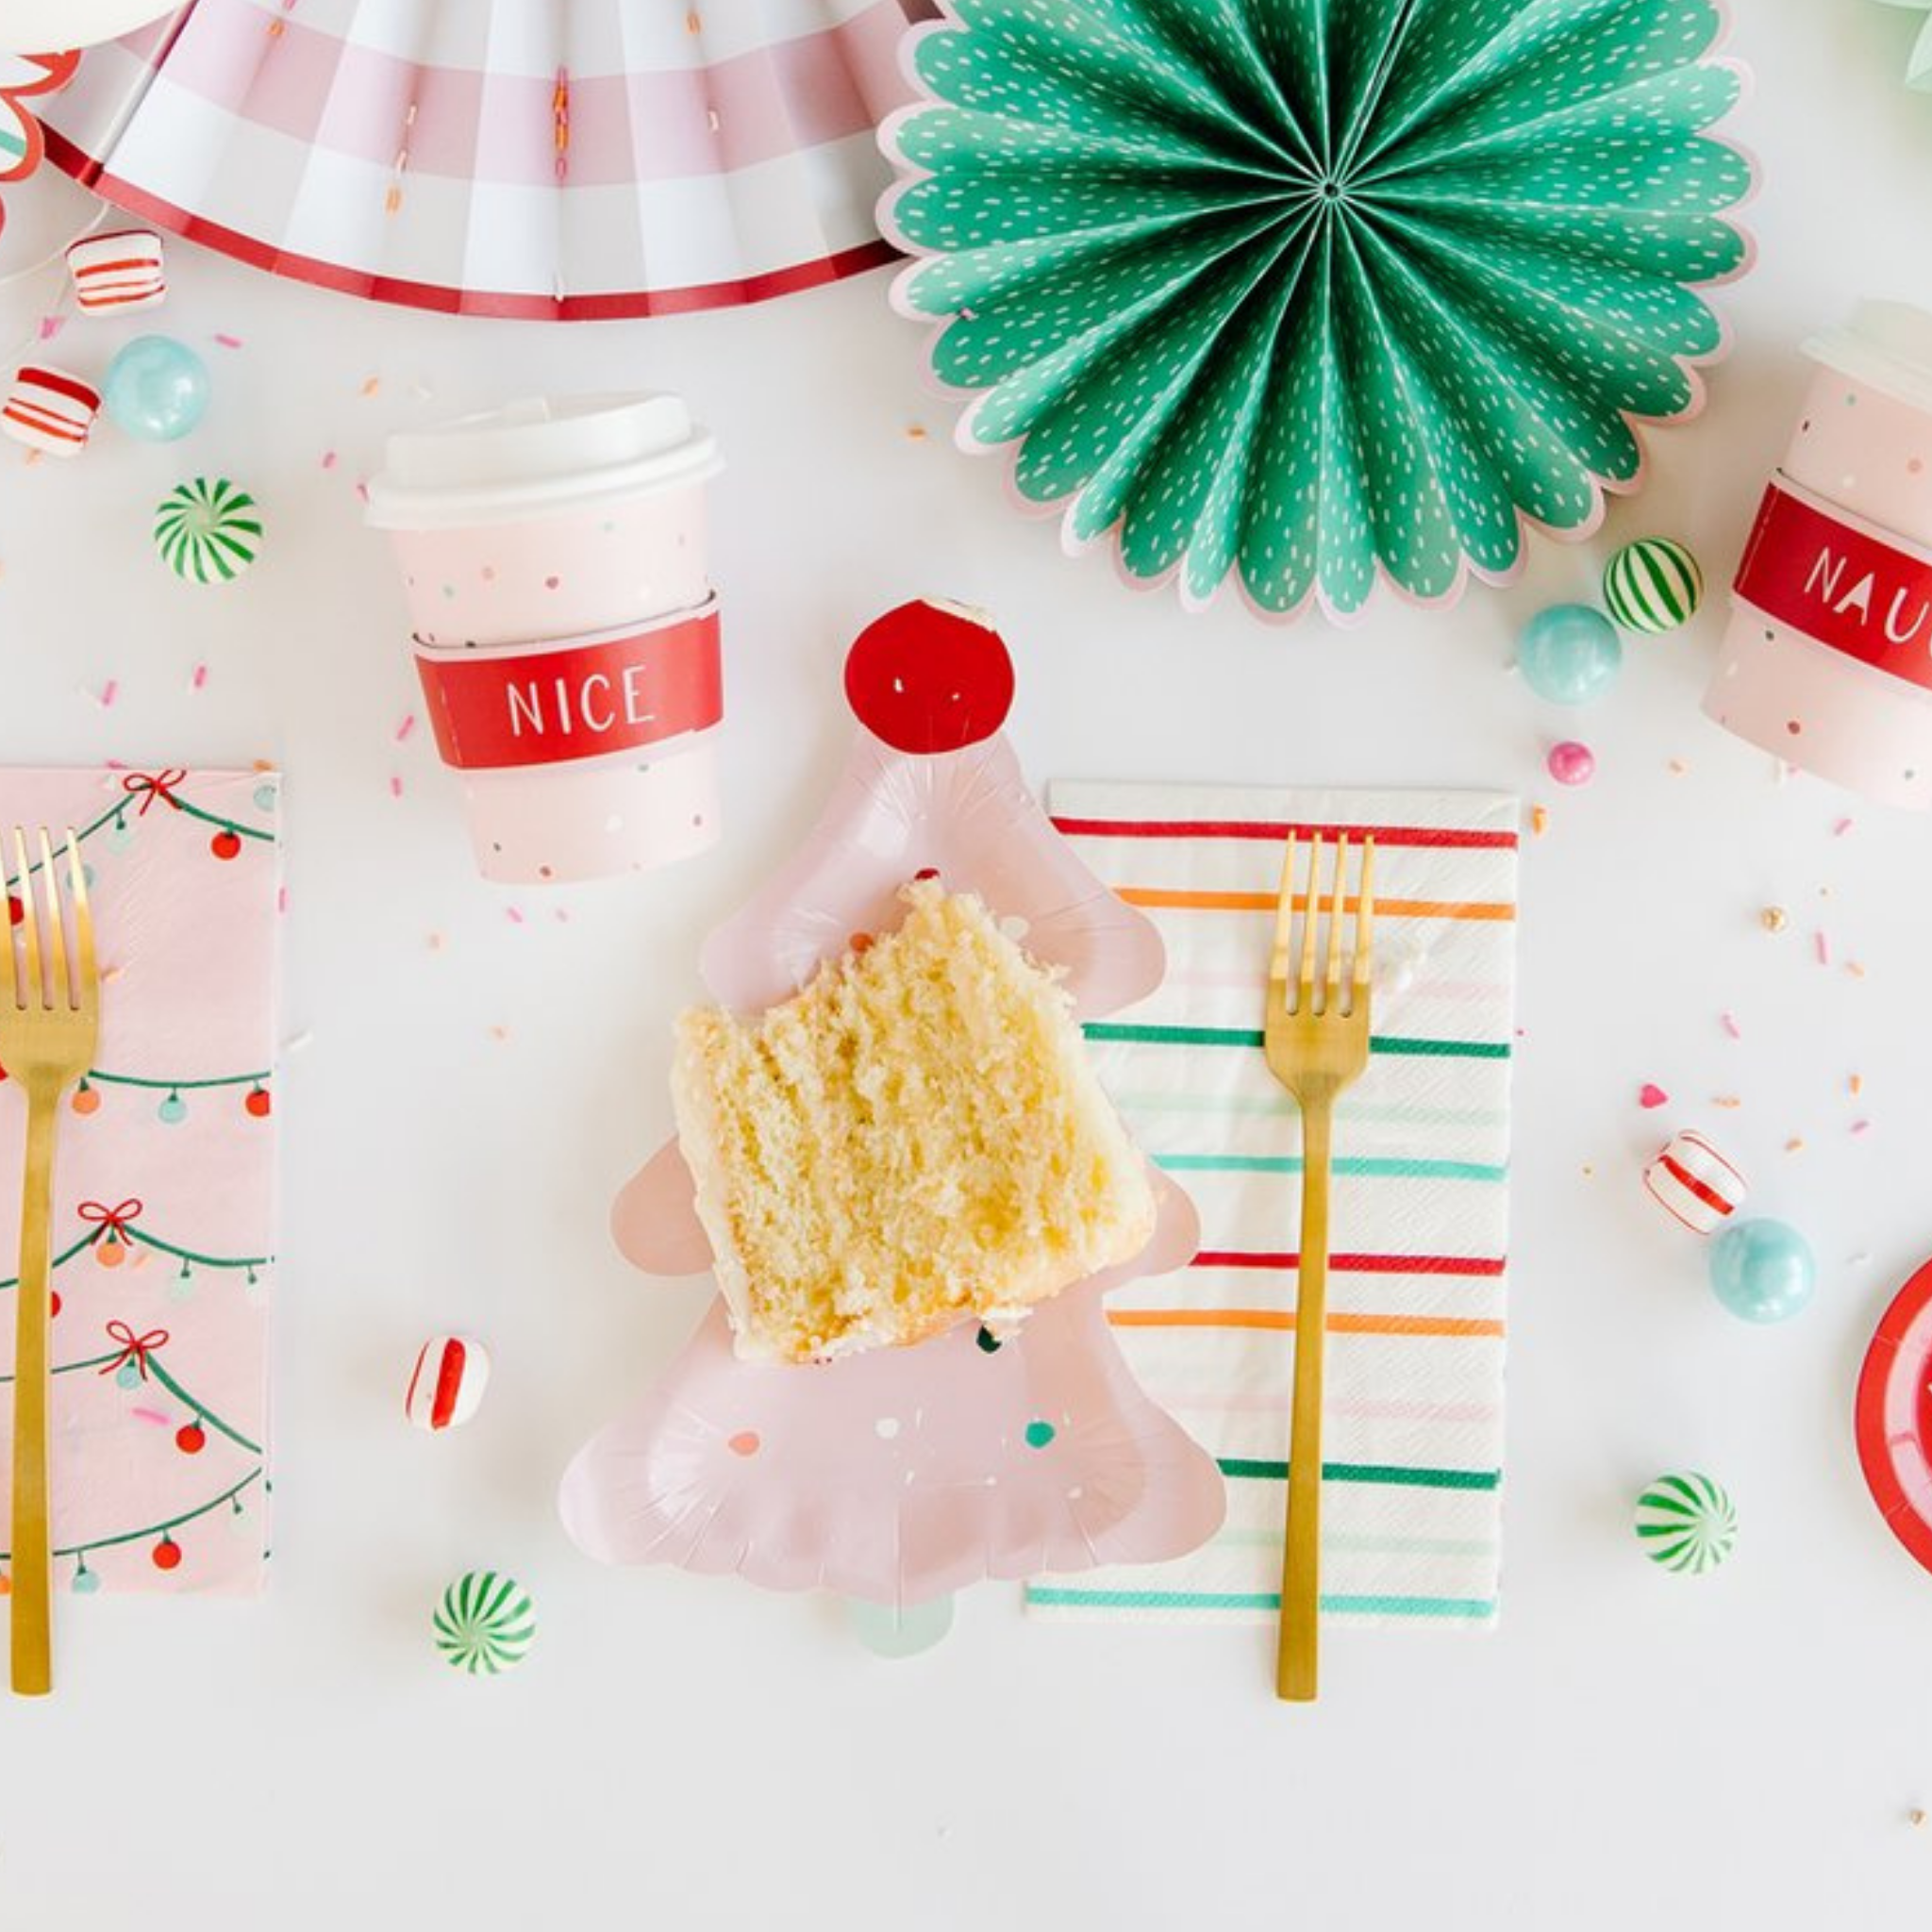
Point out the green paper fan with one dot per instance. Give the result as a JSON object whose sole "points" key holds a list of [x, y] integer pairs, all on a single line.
{"points": [[1303, 291], [1918, 62]]}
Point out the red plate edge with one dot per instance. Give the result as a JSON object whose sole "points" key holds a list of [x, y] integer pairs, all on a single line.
{"points": [[1868, 1417]]}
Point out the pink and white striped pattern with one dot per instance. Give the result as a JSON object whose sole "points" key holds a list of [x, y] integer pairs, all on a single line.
{"points": [[564, 159], [1696, 1184], [118, 273], [50, 410]]}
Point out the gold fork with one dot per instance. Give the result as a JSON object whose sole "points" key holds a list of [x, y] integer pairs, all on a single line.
{"points": [[47, 1029], [1317, 1041]]}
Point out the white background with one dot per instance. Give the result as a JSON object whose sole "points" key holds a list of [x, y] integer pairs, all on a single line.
{"points": [[678, 1753]]}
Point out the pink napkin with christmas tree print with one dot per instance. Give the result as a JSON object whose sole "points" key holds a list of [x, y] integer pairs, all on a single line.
{"points": [[164, 1186]]}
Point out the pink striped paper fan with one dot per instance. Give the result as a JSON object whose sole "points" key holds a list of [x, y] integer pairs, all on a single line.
{"points": [[555, 159]]}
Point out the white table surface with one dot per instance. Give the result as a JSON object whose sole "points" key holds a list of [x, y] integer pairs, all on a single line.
{"points": [[1630, 1747]]}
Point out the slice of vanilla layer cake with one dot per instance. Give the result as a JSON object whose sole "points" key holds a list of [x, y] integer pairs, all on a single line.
{"points": [[915, 1138]]}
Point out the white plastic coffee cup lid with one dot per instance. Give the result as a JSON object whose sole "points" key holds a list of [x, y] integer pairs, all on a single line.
{"points": [[537, 457], [1888, 344]]}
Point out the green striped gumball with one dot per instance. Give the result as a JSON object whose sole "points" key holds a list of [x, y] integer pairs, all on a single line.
{"points": [[208, 531], [485, 1624], [1653, 585], [1686, 1522]]}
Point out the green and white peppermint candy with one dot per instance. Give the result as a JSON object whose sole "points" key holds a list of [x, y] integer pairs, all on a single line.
{"points": [[1653, 585], [1686, 1522], [485, 1624], [208, 531]]}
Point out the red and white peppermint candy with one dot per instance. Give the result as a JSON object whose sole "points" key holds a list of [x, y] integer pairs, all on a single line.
{"points": [[118, 273], [50, 410], [1695, 1183], [447, 1382]]}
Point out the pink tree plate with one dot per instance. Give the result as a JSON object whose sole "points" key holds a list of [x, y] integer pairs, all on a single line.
{"points": [[899, 1475]]}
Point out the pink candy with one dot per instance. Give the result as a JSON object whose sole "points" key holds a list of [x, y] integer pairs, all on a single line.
{"points": [[1571, 763]]}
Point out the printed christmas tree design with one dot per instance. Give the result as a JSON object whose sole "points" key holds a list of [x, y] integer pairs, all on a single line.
{"points": [[896, 1475], [160, 1474]]}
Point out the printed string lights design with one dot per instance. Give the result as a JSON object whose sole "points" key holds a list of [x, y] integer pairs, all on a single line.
{"points": [[111, 1235], [1310, 295], [141, 790], [134, 1361]]}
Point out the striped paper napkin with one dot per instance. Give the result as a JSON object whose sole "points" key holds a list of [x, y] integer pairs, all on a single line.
{"points": [[1413, 1434]]}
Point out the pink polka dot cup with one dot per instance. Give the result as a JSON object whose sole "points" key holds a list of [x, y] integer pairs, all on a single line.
{"points": [[1827, 659], [566, 638]]}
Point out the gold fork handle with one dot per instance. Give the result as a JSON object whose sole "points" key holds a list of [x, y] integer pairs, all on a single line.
{"points": [[1301, 1552], [32, 1561]]}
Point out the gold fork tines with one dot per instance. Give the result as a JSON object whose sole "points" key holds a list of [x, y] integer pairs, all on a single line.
{"points": [[1317, 1038], [49, 1019]]}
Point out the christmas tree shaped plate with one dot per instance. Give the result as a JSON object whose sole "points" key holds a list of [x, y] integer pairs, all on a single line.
{"points": [[1316, 294], [897, 1475]]}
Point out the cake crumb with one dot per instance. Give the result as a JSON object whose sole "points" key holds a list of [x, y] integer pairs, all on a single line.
{"points": [[1538, 820], [372, 385], [1794, 1145], [1726, 1100], [1774, 919]]}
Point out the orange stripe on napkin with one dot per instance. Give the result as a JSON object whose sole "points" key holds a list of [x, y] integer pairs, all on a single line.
{"points": [[1284, 1318], [1265, 902]]}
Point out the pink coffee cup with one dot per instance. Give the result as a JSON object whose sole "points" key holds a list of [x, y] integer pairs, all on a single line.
{"points": [[1828, 658], [553, 563]]}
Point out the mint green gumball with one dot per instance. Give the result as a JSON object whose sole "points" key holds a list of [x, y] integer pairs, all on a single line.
{"points": [[1570, 654], [899, 1630], [1763, 1270], [156, 388]]}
